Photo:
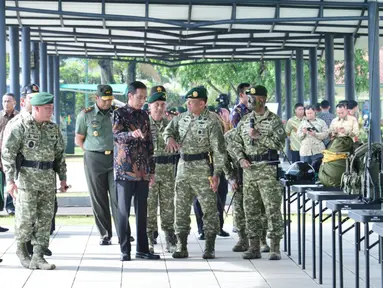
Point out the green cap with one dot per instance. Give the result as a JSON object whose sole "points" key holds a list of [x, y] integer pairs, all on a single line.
{"points": [[158, 96], [145, 107], [199, 92], [258, 90], [158, 88], [105, 92], [41, 99], [172, 111], [181, 109]]}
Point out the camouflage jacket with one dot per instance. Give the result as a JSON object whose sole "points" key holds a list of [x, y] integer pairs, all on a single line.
{"points": [[42, 142], [199, 134], [273, 135]]}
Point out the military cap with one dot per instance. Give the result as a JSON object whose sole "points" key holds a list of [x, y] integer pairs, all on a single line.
{"points": [[30, 89], [258, 90], [105, 92], [181, 109], [158, 88], [145, 107], [199, 92], [172, 111], [157, 96], [211, 108], [41, 99]]}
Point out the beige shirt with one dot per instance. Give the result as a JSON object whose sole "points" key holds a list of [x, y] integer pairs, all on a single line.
{"points": [[312, 144], [350, 125], [291, 131]]}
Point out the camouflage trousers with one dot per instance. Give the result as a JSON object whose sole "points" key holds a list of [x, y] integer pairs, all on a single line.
{"points": [[34, 213], [162, 193], [260, 188], [185, 191]]}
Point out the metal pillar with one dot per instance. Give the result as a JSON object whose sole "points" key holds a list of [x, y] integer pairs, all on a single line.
{"points": [[14, 61], [278, 86], [289, 98], [35, 63], [26, 55], [313, 76], [330, 78], [3, 58], [349, 70], [43, 67], [373, 65], [300, 76], [50, 74], [56, 87]]}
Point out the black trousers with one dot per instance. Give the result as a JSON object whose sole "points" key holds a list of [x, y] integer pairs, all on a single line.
{"points": [[221, 200], [125, 191]]}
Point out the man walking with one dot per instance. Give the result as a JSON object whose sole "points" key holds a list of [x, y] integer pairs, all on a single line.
{"points": [[134, 169], [32, 154]]}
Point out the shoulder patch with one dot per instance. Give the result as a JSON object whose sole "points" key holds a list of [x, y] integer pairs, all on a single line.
{"points": [[89, 109]]}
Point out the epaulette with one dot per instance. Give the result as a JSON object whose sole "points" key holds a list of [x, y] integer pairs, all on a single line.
{"points": [[89, 109]]}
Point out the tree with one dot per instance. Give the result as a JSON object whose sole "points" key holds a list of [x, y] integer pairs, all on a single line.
{"points": [[106, 71]]}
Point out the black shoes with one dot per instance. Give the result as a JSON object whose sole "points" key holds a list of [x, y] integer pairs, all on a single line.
{"points": [[125, 257], [1, 260], [223, 233], [148, 256], [131, 239], [201, 236], [10, 211], [105, 241], [2, 229], [155, 236]]}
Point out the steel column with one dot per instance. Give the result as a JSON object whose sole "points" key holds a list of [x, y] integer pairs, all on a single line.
{"points": [[349, 63], [43, 67], [289, 106], [35, 57], [50, 74], [26, 55], [330, 78], [14, 67], [3, 58], [373, 65], [313, 76], [300, 76], [278, 86], [56, 87]]}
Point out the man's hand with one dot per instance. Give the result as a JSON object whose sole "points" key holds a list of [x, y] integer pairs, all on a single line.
{"points": [[341, 130], [172, 146], [311, 133], [138, 134], [214, 182], [304, 130], [152, 180], [254, 134], [234, 185], [63, 186], [12, 189], [244, 164]]}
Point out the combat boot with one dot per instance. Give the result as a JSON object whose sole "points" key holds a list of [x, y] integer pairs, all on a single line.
{"points": [[275, 253], [243, 243], [38, 261], [209, 252], [254, 251], [264, 247], [171, 241], [22, 253], [150, 242], [182, 250]]}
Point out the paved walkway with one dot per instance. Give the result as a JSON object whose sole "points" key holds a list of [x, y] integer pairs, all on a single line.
{"points": [[82, 263]]}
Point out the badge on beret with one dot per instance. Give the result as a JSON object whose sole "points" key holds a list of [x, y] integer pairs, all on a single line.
{"points": [[159, 89], [35, 88], [95, 133], [252, 91], [195, 94]]}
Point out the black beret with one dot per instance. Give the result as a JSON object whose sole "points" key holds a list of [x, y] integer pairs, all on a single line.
{"points": [[258, 90]]}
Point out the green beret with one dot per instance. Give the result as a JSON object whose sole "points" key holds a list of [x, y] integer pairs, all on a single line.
{"points": [[199, 92], [158, 96], [181, 109], [172, 111], [105, 92], [159, 88], [211, 108], [41, 99], [145, 107], [258, 90]]}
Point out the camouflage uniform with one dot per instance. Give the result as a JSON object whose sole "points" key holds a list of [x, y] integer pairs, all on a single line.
{"points": [[162, 191], [197, 134], [36, 187], [259, 181]]}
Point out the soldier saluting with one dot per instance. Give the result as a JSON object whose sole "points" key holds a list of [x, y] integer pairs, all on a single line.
{"points": [[198, 135], [259, 137]]}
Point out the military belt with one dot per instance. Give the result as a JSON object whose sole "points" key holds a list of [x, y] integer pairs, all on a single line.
{"points": [[107, 152], [37, 164], [166, 159], [194, 157], [272, 155]]}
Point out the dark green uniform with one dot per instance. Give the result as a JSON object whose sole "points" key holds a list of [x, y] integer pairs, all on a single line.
{"points": [[96, 126]]}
